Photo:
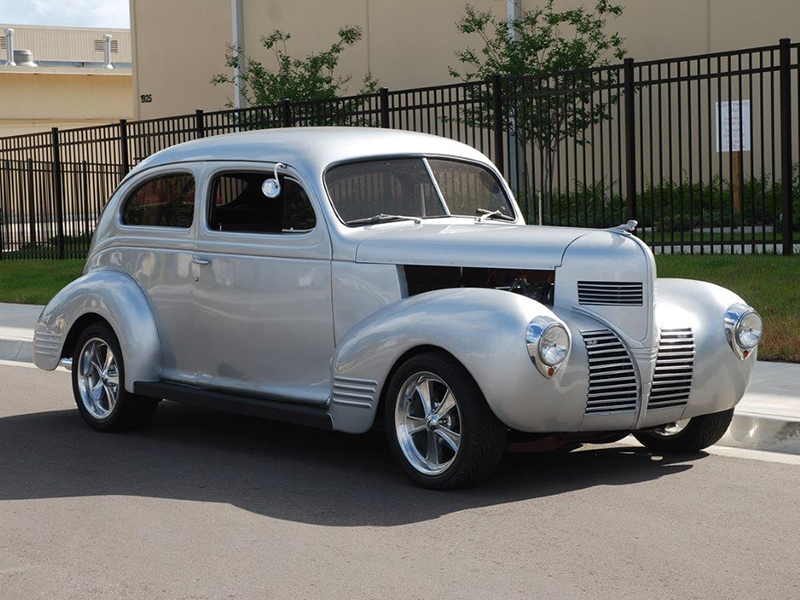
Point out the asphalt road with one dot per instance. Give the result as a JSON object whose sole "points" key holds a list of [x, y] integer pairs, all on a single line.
{"points": [[208, 505]]}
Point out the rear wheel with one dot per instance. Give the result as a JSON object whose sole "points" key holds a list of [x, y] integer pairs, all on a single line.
{"points": [[98, 376], [688, 435], [439, 426]]}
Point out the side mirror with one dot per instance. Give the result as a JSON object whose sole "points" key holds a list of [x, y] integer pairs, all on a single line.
{"points": [[271, 188]]}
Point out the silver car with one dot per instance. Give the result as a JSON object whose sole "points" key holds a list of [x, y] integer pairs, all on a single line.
{"points": [[345, 278]]}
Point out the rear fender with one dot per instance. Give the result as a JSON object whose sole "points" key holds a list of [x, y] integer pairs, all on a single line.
{"points": [[115, 297]]}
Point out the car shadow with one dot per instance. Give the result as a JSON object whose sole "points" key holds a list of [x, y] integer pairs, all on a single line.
{"points": [[277, 470]]}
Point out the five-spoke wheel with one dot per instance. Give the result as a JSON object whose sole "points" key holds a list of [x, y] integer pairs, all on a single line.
{"points": [[98, 378], [439, 426], [98, 382], [428, 423]]}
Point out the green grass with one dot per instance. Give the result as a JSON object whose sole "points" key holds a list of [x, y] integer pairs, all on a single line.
{"points": [[769, 283], [35, 281]]}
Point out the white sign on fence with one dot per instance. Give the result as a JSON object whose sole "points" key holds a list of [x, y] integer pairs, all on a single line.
{"points": [[733, 126]]}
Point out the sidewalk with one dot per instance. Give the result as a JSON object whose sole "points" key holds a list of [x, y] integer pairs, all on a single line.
{"points": [[17, 322], [767, 418]]}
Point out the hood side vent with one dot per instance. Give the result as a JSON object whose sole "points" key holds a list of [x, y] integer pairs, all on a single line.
{"points": [[613, 385], [672, 381], [610, 293]]}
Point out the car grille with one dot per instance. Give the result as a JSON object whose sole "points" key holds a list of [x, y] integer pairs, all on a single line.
{"points": [[604, 293], [672, 381], [613, 386]]}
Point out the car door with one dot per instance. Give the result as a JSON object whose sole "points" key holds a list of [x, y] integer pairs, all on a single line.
{"points": [[262, 293], [154, 245]]}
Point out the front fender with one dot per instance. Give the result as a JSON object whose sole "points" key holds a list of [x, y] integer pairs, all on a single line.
{"points": [[117, 298], [720, 377], [483, 329]]}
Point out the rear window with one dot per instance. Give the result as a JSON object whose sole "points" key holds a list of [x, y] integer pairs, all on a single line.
{"points": [[165, 201]]}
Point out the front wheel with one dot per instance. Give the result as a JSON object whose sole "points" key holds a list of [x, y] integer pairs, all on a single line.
{"points": [[439, 426], [689, 435]]}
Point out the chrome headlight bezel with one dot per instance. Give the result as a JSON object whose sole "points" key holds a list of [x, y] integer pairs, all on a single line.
{"points": [[537, 330], [734, 316]]}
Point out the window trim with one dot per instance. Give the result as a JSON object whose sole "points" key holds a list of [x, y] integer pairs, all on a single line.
{"points": [[144, 181], [206, 220], [424, 156]]}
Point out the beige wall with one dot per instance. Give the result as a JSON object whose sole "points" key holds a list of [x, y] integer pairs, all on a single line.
{"points": [[179, 45], [68, 43], [38, 99]]}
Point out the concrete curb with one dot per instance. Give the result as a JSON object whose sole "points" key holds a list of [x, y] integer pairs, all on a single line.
{"points": [[16, 349], [763, 432]]}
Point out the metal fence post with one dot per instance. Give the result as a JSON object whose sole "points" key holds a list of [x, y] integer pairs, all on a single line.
{"points": [[58, 194], [31, 203], [630, 139], [124, 158], [199, 123], [287, 112], [786, 144], [385, 107], [497, 118]]}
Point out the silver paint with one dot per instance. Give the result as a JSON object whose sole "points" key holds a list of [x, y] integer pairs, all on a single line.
{"points": [[323, 317]]}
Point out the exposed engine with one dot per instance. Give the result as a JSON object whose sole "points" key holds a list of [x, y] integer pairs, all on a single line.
{"points": [[535, 284]]}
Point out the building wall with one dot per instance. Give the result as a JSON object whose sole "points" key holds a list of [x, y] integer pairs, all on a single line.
{"points": [[68, 43], [406, 44]]}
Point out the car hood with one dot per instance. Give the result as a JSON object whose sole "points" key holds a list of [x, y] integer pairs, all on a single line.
{"points": [[468, 245]]}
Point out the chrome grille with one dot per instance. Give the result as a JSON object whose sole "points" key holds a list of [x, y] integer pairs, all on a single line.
{"points": [[613, 386], [606, 293], [672, 380]]}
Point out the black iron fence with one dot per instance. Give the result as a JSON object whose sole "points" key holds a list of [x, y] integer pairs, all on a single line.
{"points": [[699, 150]]}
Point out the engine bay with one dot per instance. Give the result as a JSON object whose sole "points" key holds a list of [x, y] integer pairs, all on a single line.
{"points": [[535, 284]]}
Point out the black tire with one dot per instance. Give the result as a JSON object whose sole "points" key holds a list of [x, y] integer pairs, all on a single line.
{"points": [[131, 411], [700, 433], [483, 436]]}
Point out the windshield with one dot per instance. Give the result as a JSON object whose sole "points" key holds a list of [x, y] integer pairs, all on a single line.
{"points": [[403, 187]]}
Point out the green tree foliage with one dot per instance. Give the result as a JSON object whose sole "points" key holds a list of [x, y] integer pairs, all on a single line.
{"points": [[297, 79], [540, 51]]}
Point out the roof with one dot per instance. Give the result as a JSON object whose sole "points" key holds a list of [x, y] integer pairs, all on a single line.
{"points": [[311, 147]]}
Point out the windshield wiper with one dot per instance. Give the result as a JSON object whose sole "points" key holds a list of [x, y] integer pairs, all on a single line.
{"points": [[492, 214], [383, 218]]}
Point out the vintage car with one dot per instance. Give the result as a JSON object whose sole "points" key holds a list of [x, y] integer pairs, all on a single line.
{"points": [[348, 277]]}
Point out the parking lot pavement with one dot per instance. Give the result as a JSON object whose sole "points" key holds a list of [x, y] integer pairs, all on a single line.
{"points": [[209, 505]]}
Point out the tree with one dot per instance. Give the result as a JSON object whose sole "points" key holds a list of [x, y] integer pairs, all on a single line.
{"points": [[295, 79], [539, 51]]}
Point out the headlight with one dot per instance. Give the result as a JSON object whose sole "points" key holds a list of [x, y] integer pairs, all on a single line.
{"points": [[548, 344], [743, 329]]}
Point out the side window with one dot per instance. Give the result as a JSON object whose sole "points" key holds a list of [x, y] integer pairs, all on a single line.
{"points": [[166, 201], [238, 204]]}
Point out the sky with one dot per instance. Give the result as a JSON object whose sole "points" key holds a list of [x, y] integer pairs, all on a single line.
{"points": [[71, 13]]}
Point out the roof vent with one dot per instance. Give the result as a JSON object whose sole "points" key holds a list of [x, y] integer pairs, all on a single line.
{"points": [[24, 58], [8, 39]]}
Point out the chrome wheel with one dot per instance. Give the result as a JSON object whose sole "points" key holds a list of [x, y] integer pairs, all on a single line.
{"points": [[98, 378], [428, 423], [671, 429]]}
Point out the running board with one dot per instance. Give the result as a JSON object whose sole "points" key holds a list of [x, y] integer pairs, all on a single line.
{"points": [[245, 405]]}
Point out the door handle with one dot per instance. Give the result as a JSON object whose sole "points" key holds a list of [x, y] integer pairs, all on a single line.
{"points": [[200, 261]]}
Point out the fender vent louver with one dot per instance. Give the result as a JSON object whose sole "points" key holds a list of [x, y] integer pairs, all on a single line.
{"points": [[613, 386], [672, 381], [607, 293]]}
